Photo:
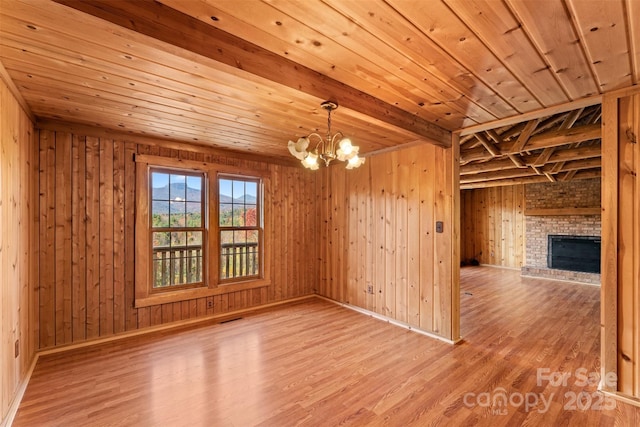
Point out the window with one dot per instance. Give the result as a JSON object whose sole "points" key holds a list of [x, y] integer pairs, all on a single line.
{"points": [[199, 230], [177, 225], [240, 224]]}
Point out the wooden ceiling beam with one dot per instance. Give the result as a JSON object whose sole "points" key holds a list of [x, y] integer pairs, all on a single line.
{"points": [[536, 170], [571, 119], [516, 160], [557, 167], [585, 174], [560, 156], [512, 131], [488, 145], [470, 143], [565, 136], [549, 171], [544, 112], [573, 165], [491, 133], [568, 122], [506, 169], [491, 176], [495, 165], [579, 153], [552, 138], [543, 158], [171, 26], [523, 138]]}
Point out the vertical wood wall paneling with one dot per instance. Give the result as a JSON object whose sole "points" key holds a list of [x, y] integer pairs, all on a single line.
{"points": [[131, 314], [634, 222], [426, 233], [78, 239], [620, 301], [385, 212], [353, 285], [389, 235], [33, 338], [492, 225], [92, 200], [440, 247], [278, 215], [401, 177], [106, 253], [628, 252], [47, 239], [626, 302], [452, 168], [62, 213], [609, 234], [367, 257], [377, 231], [119, 249], [87, 199], [413, 243], [635, 256], [19, 200]]}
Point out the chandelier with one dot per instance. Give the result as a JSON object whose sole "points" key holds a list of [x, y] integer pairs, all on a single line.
{"points": [[332, 147]]}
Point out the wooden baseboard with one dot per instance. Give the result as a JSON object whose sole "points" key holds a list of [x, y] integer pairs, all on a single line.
{"points": [[390, 320], [621, 397], [15, 404], [168, 326], [503, 267], [575, 282]]}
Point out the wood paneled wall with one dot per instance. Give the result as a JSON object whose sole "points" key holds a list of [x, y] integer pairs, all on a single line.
{"points": [[492, 229], [17, 274], [87, 213], [620, 309], [380, 249]]}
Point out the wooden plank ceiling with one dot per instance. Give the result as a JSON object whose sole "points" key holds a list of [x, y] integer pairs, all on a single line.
{"points": [[248, 75]]}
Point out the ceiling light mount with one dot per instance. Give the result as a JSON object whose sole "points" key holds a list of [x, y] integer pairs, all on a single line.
{"points": [[331, 147]]}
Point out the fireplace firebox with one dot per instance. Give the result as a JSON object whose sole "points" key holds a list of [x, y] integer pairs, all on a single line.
{"points": [[574, 253]]}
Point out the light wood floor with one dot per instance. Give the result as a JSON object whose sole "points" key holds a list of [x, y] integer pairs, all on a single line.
{"points": [[316, 363]]}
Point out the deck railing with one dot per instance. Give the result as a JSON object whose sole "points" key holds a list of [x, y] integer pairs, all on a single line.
{"points": [[181, 265], [239, 260], [177, 265]]}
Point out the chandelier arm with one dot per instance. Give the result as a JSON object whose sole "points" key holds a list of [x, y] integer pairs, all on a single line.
{"points": [[320, 140], [335, 139]]}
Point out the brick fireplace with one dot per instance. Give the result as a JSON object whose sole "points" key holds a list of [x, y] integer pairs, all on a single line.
{"points": [[561, 208]]}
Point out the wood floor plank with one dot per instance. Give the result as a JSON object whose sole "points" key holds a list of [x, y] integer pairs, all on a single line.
{"points": [[317, 363]]}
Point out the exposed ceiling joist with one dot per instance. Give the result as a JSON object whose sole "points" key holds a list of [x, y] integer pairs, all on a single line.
{"points": [[544, 112], [156, 20], [547, 149], [560, 156], [548, 139], [524, 136], [586, 174]]}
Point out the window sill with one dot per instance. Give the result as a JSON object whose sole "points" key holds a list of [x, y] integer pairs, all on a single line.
{"points": [[202, 292]]}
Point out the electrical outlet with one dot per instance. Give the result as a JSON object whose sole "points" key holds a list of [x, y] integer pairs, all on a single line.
{"points": [[209, 304], [370, 289], [17, 348]]}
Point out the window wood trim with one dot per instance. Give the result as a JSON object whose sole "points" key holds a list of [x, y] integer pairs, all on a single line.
{"points": [[259, 228], [214, 168], [143, 295]]}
